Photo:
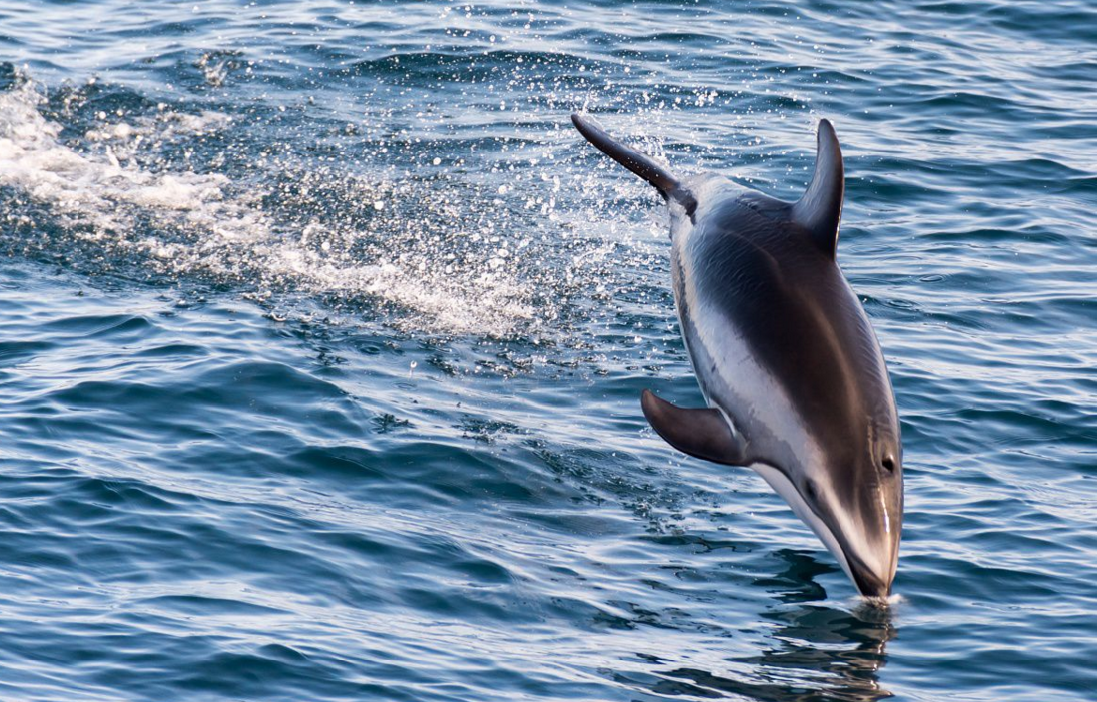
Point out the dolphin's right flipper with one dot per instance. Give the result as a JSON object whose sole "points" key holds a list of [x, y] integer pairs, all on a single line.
{"points": [[640, 164], [702, 433]]}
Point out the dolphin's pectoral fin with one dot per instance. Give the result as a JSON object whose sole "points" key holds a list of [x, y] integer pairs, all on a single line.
{"points": [[701, 433], [640, 164], [820, 208]]}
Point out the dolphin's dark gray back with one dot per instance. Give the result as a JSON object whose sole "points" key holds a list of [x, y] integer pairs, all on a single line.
{"points": [[761, 270]]}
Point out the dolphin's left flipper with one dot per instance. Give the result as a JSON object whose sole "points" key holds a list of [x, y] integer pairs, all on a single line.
{"points": [[641, 164], [702, 433]]}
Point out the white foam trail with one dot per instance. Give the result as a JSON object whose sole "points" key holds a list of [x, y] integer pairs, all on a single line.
{"points": [[96, 188], [108, 190]]}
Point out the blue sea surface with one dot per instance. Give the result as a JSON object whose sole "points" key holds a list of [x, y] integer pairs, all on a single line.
{"points": [[322, 335]]}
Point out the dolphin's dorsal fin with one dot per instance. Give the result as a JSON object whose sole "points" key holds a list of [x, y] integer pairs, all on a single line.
{"points": [[641, 164], [702, 433], [820, 208]]}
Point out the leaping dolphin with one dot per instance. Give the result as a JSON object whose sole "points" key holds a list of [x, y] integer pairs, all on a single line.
{"points": [[785, 356]]}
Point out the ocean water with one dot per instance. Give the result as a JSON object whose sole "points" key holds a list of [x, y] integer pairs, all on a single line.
{"points": [[323, 334]]}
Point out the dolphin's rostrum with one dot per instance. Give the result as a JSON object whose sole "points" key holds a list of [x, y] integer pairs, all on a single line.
{"points": [[784, 354]]}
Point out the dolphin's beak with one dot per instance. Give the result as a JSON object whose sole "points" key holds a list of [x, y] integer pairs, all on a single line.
{"points": [[869, 582], [865, 541], [872, 575]]}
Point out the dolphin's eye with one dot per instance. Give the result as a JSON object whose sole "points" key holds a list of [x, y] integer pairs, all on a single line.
{"points": [[809, 491], [889, 464]]}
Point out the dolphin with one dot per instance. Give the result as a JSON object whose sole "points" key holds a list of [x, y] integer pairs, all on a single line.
{"points": [[785, 356]]}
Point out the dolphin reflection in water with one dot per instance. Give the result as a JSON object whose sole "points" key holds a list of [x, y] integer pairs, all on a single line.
{"points": [[818, 654], [785, 356], [808, 650]]}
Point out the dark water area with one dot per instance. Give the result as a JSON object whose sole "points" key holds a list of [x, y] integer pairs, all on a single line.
{"points": [[324, 332]]}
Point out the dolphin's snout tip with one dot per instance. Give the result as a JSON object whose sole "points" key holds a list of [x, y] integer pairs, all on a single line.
{"points": [[871, 585]]}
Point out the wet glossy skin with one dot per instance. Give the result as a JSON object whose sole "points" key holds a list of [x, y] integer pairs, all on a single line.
{"points": [[781, 344]]}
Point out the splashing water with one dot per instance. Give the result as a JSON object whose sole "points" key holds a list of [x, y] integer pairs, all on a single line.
{"points": [[452, 254]]}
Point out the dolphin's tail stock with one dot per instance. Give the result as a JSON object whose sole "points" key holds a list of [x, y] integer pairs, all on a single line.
{"points": [[641, 164]]}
